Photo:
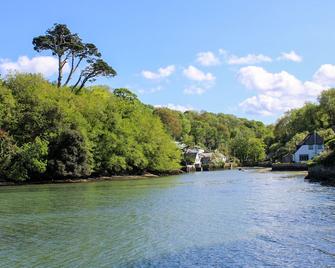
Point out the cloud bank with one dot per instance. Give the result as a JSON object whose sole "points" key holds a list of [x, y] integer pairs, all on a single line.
{"points": [[45, 65], [279, 92]]}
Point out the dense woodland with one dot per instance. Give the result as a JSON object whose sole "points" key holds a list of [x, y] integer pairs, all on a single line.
{"points": [[66, 129], [50, 132], [240, 139]]}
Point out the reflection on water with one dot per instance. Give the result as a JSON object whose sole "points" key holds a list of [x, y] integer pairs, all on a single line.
{"points": [[220, 219]]}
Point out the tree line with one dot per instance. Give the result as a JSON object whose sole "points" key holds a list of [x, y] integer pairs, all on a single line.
{"points": [[241, 139], [48, 132], [249, 141]]}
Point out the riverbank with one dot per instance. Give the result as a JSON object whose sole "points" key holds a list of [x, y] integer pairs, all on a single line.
{"points": [[86, 180], [289, 167], [322, 173]]}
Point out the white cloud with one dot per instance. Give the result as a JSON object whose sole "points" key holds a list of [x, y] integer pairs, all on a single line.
{"points": [[266, 105], [279, 92], [314, 89], [176, 107], [325, 75], [45, 65], [161, 73], [194, 90], [249, 59], [290, 56], [207, 59], [150, 90], [254, 77], [195, 74]]}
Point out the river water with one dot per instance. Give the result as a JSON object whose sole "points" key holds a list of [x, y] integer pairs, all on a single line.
{"points": [[210, 219]]}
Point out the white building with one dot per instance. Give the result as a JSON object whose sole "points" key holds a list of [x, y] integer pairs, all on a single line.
{"points": [[193, 156], [310, 147]]}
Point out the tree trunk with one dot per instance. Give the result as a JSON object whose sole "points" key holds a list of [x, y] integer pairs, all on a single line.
{"points": [[60, 67]]}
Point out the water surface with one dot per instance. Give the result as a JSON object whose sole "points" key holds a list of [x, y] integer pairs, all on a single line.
{"points": [[209, 219]]}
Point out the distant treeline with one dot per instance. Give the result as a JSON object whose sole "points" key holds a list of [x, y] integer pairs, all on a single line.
{"points": [[249, 141], [240, 139]]}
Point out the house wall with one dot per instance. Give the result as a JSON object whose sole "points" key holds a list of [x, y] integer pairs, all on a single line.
{"points": [[197, 160], [304, 149]]}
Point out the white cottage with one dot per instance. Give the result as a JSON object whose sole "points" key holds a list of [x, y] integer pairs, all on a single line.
{"points": [[310, 147]]}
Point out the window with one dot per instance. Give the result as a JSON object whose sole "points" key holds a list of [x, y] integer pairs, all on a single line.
{"points": [[310, 147], [303, 157]]}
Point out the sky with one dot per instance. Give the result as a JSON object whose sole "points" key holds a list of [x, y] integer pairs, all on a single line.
{"points": [[254, 59]]}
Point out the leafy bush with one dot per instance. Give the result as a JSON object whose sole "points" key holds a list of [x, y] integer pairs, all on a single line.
{"points": [[68, 156], [28, 161]]}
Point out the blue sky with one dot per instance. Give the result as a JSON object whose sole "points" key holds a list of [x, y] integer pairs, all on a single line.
{"points": [[254, 59]]}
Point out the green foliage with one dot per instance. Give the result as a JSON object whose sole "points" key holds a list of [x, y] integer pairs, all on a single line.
{"points": [[308, 118], [172, 121], [97, 67], [125, 94], [331, 144], [68, 155], [76, 135], [215, 131], [248, 149], [291, 145], [7, 151], [7, 106], [327, 134], [327, 104], [29, 161], [69, 49], [293, 127]]}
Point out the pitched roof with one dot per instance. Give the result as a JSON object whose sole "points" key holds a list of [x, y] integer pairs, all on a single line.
{"points": [[311, 139]]}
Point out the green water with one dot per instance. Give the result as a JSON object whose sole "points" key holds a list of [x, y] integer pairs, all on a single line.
{"points": [[209, 219]]}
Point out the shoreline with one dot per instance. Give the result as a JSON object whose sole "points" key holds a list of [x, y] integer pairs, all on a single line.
{"points": [[120, 177], [322, 174], [86, 180]]}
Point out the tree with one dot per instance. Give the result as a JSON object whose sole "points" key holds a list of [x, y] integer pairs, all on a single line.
{"points": [[291, 145], [30, 161], [62, 44], [248, 149], [172, 121], [96, 68], [7, 151], [327, 103], [7, 106], [79, 52], [68, 155], [125, 94], [69, 49]]}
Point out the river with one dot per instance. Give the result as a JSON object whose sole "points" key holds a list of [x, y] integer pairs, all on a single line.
{"points": [[210, 219]]}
